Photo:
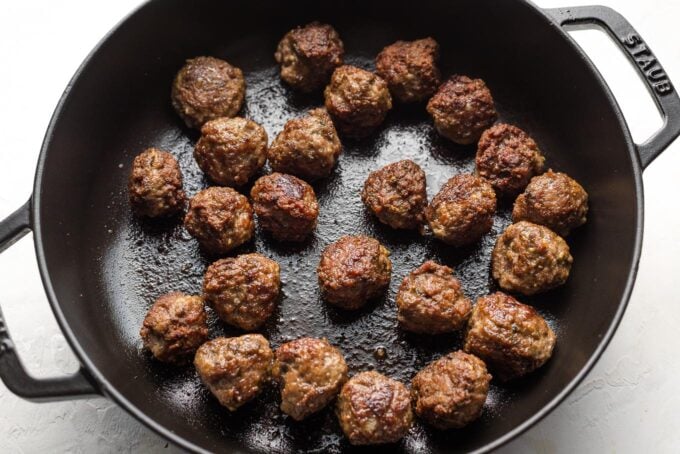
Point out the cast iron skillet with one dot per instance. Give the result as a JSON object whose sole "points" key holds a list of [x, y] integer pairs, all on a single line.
{"points": [[101, 268]]}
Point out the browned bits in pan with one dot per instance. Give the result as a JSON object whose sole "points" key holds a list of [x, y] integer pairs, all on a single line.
{"points": [[155, 184]]}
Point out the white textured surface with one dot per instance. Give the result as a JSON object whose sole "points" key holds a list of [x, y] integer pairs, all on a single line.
{"points": [[629, 403]]}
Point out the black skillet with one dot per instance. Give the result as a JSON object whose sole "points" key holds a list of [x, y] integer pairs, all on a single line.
{"points": [[101, 268]]}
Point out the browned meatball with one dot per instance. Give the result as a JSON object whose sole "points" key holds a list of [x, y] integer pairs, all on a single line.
{"points": [[358, 100], [174, 327], [155, 184], [410, 69], [374, 409], [450, 392], [231, 150], [512, 338], [431, 301], [530, 259], [243, 290], [221, 219], [554, 200], [397, 194], [308, 55], [508, 157], [235, 369], [207, 88], [353, 270], [462, 212], [285, 206], [462, 109], [310, 373], [308, 147]]}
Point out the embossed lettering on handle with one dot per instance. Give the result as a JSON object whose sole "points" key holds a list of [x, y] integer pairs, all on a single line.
{"points": [[648, 62]]}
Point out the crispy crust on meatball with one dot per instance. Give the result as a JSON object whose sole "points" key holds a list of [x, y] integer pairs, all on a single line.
{"points": [[508, 158], [462, 109], [529, 259], [510, 337], [174, 327], [554, 200], [308, 55], [221, 219], [285, 206], [358, 100], [397, 194], [207, 88], [310, 373], [430, 300], [462, 212], [354, 270], [374, 409], [155, 184], [450, 392]]}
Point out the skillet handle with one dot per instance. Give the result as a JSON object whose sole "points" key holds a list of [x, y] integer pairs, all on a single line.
{"points": [[12, 371], [648, 66]]}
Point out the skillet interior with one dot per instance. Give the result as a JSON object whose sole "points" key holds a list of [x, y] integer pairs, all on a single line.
{"points": [[106, 267]]}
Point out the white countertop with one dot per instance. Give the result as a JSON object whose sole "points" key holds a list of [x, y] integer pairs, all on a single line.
{"points": [[630, 402]]}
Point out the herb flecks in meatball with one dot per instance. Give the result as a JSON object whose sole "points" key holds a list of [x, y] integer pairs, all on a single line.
{"points": [[410, 69], [510, 337], [155, 184]]}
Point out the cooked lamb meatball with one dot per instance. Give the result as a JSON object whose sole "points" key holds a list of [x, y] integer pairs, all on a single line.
{"points": [[510, 337], [462, 109], [155, 184], [308, 147], [410, 69], [354, 270], [530, 259], [554, 200], [243, 290], [508, 157], [235, 369], [285, 206], [450, 392], [462, 212], [374, 409], [231, 150], [430, 301], [308, 55], [358, 100], [221, 219], [207, 88], [397, 194], [310, 373], [174, 327]]}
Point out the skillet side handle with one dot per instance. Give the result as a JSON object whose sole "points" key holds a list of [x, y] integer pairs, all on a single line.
{"points": [[643, 59], [12, 371]]}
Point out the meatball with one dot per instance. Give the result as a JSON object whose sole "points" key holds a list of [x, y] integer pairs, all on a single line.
{"points": [[462, 212], [410, 69], [530, 259], [397, 194], [235, 369], [462, 109], [308, 55], [358, 101], [221, 219], [308, 147], [450, 392], [310, 372], [510, 337], [285, 206], [374, 409], [207, 88], [353, 270], [174, 327], [430, 301], [554, 200], [155, 184], [243, 290], [508, 157], [231, 150]]}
